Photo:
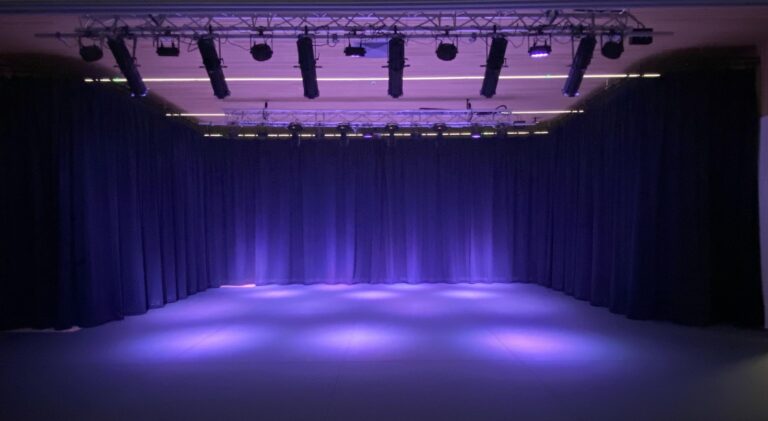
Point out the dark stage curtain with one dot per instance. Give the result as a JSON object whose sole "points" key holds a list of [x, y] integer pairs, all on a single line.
{"points": [[102, 206], [645, 204]]}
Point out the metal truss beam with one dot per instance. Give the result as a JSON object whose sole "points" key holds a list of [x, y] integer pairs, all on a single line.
{"points": [[546, 23], [378, 118]]}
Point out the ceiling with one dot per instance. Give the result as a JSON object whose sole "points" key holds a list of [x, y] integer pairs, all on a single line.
{"points": [[689, 27]]}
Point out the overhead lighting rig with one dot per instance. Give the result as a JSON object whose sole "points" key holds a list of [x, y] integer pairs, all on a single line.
{"points": [[189, 26], [356, 119]]}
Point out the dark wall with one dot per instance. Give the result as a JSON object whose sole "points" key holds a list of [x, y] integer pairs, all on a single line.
{"points": [[645, 204]]}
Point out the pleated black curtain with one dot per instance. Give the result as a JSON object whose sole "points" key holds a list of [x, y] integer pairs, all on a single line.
{"points": [[645, 204]]}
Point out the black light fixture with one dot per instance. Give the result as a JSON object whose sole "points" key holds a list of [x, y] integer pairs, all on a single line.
{"points": [[641, 36], [295, 128], [475, 132], [261, 52], [396, 64], [307, 64], [539, 50], [613, 46], [446, 51], [493, 66], [91, 53], [351, 51], [213, 67], [439, 128], [344, 129], [171, 50], [391, 128], [579, 65], [127, 65]]}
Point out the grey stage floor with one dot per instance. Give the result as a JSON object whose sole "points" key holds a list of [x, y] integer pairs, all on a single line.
{"points": [[376, 352]]}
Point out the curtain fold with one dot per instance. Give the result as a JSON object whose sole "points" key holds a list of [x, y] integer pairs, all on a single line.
{"points": [[645, 204]]}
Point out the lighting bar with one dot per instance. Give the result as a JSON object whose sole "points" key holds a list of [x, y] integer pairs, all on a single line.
{"points": [[127, 65], [579, 65], [396, 64], [212, 64], [425, 24], [372, 79], [307, 64], [493, 65]]}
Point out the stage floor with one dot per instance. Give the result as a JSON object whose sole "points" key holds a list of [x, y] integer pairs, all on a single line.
{"points": [[385, 352]]}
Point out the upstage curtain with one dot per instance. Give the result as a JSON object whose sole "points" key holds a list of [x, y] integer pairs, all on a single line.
{"points": [[645, 204]]}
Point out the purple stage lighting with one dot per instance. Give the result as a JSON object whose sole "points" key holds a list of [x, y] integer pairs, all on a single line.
{"points": [[539, 50]]}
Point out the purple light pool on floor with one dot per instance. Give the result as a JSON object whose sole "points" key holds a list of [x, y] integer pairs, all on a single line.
{"points": [[276, 293], [534, 344], [468, 294], [371, 295]]}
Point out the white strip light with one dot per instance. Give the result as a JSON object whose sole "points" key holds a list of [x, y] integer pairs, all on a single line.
{"points": [[371, 79]]}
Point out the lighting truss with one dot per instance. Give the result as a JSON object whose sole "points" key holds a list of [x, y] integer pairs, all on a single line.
{"points": [[377, 118], [428, 24]]}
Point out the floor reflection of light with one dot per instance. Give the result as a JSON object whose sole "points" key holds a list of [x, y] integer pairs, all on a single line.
{"points": [[419, 308], [332, 287], [361, 339], [371, 294], [239, 286], [276, 293], [468, 294], [543, 345], [201, 342], [209, 312], [378, 339]]}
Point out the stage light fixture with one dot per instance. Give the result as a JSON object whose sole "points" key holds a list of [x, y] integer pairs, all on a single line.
{"points": [[641, 36], [261, 52], [168, 50], [539, 50], [351, 51], [475, 132], [343, 129], [391, 129], [579, 65], [307, 64], [613, 46], [295, 128], [91, 53], [493, 66], [396, 64], [213, 67], [127, 65], [446, 51]]}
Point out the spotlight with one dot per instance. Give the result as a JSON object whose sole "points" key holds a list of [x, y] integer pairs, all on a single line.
{"points": [[446, 51], [613, 47], [439, 128], [501, 130], [579, 65], [127, 66], [396, 65], [475, 132], [539, 50], [91, 53], [493, 66], [168, 51], [351, 51], [212, 64], [641, 36], [295, 128], [307, 65], [391, 128], [261, 52], [343, 129]]}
